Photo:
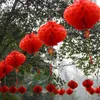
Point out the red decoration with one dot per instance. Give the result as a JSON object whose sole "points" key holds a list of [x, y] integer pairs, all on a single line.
{"points": [[87, 83], [38, 70], [4, 89], [82, 14], [87, 34], [90, 90], [37, 89], [30, 43], [52, 33], [91, 61], [50, 87], [22, 89], [4, 69], [15, 59], [55, 91], [69, 91], [51, 50], [72, 84], [97, 90], [12, 89], [61, 92]]}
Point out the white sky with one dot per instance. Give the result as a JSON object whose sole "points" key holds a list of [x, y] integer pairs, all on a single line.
{"points": [[98, 2]]}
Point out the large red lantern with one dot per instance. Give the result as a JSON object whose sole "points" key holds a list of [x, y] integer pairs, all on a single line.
{"points": [[4, 69], [15, 59], [30, 43], [52, 33], [82, 14], [37, 89], [72, 84], [87, 83]]}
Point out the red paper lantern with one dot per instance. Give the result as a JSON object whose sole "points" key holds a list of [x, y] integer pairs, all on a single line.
{"points": [[87, 83], [30, 43], [52, 33], [4, 69], [69, 91], [82, 14], [4, 89], [61, 92], [90, 90], [50, 87], [12, 89], [22, 89], [15, 59], [97, 90], [37, 89], [72, 84]]}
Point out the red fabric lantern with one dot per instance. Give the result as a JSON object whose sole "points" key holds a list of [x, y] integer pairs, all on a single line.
{"points": [[69, 91], [52, 33], [55, 91], [87, 83], [30, 43], [82, 14], [90, 90], [50, 87], [22, 89], [12, 89], [72, 84], [37, 89], [4, 69], [4, 89], [15, 59], [61, 92], [97, 90]]}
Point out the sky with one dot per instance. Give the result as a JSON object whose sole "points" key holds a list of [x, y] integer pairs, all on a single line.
{"points": [[98, 2]]}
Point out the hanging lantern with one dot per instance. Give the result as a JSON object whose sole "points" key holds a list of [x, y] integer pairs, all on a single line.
{"points": [[61, 91], [4, 89], [22, 89], [90, 90], [52, 33], [15, 59], [4, 69], [55, 91], [13, 89], [82, 14], [72, 84], [50, 87], [69, 91], [30, 43], [97, 90], [37, 89], [87, 83]]}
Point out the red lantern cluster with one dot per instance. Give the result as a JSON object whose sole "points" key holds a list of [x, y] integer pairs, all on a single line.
{"points": [[15, 59], [52, 33], [82, 14], [30, 43]]}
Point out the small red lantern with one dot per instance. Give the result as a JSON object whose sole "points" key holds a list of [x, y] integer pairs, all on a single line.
{"points": [[15, 59], [4, 89], [4, 69], [90, 90], [72, 84], [13, 89], [82, 14], [55, 91], [61, 91], [30, 43], [69, 91], [37, 89], [97, 90], [87, 83], [22, 89], [52, 33], [50, 87]]}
